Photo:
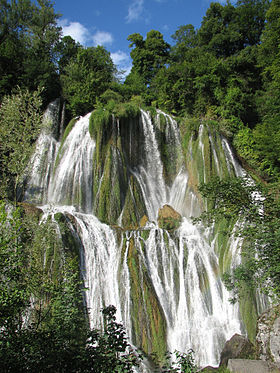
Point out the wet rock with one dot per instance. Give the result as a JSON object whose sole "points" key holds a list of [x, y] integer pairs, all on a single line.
{"points": [[168, 218], [238, 347], [268, 335]]}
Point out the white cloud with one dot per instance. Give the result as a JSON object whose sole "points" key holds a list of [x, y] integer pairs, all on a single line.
{"points": [[122, 61], [135, 10], [76, 30], [102, 38]]}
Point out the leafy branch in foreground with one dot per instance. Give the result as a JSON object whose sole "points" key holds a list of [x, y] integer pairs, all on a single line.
{"points": [[256, 207], [183, 363]]}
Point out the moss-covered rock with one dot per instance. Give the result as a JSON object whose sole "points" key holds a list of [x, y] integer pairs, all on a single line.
{"points": [[31, 210], [168, 218], [71, 244], [143, 221], [134, 206], [148, 321]]}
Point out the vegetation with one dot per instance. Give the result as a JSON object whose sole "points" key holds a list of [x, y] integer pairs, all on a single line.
{"points": [[21, 121], [42, 318], [226, 71], [257, 206], [103, 115]]}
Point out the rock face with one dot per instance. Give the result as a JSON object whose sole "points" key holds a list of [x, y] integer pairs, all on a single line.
{"points": [[238, 347], [168, 218], [268, 335], [251, 366]]}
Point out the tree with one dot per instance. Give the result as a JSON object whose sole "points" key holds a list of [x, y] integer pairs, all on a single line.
{"points": [[14, 17], [66, 50], [20, 124], [226, 30], [40, 63], [86, 77], [185, 38], [251, 15], [219, 31], [148, 56], [28, 35]]}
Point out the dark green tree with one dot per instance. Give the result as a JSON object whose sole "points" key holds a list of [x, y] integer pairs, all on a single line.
{"points": [[66, 50], [40, 63], [148, 56], [20, 124], [86, 77], [28, 35]]}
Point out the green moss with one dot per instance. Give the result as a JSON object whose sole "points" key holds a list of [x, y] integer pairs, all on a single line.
{"points": [[248, 310], [145, 234], [134, 206], [148, 323], [70, 244], [99, 118]]}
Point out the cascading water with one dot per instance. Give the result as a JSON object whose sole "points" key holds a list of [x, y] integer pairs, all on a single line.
{"points": [[165, 285]]}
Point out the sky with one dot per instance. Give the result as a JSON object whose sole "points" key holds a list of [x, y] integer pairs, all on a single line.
{"points": [[110, 22]]}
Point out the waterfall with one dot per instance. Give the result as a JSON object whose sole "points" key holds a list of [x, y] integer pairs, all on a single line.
{"points": [[172, 279]]}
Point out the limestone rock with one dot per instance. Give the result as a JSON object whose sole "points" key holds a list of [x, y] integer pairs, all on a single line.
{"points": [[168, 218], [268, 335], [238, 347], [143, 221], [251, 366]]}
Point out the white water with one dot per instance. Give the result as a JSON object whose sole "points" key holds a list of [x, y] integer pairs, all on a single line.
{"points": [[184, 273]]}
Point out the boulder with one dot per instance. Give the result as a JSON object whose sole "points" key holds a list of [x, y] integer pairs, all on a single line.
{"points": [[30, 209], [251, 366], [168, 218], [268, 335], [238, 347], [143, 221]]}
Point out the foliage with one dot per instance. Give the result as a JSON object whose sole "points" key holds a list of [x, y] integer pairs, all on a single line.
{"points": [[86, 77], [20, 120], [183, 363], [148, 55], [257, 209], [109, 351], [101, 117], [65, 50], [28, 35], [42, 316]]}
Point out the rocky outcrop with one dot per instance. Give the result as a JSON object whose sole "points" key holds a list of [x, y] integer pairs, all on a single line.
{"points": [[168, 218], [268, 335], [251, 366], [30, 209], [238, 347]]}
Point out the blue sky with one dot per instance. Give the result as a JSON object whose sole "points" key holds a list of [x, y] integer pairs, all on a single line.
{"points": [[110, 22]]}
